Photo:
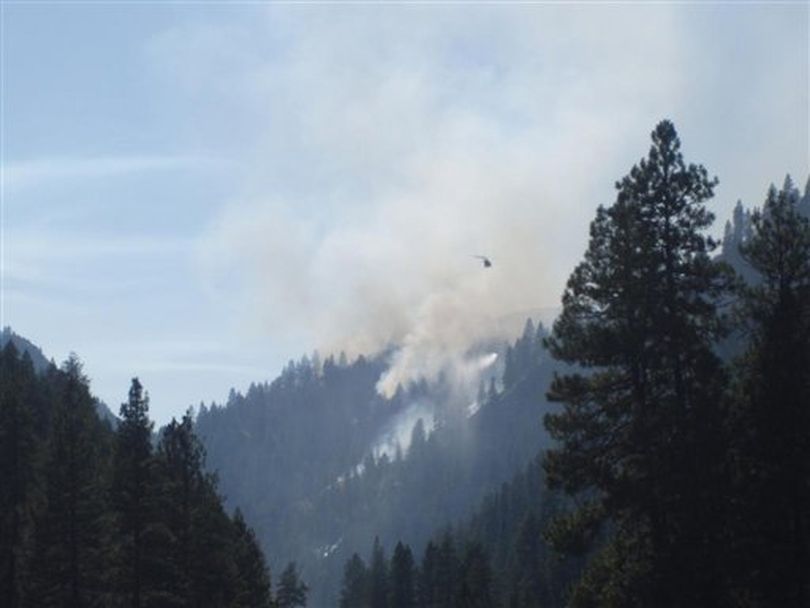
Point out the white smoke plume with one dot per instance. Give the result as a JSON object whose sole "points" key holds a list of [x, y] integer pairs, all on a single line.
{"points": [[394, 145], [397, 434]]}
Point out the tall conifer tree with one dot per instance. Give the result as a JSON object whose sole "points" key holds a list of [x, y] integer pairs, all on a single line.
{"points": [[70, 565], [18, 455], [378, 576], [639, 318], [771, 423], [402, 589], [292, 591], [355, 590], [135, 500], [253, 589]]}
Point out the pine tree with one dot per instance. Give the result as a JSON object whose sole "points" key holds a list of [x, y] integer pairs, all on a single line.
{"points": [[447, 572], [70, 566], [402, 583], [133, 497], [426, 590], [253, 588], [92, 518], [639, 421], [771, 422], [214, 577], [202, 532], [292, 591], [475, 588], [527, 568], [378, 582], [19, 451], [355, 589], [510, 371]]}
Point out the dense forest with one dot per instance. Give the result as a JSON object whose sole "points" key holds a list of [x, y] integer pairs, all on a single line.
{"points": [[93, 515], [320, 463], [680, 471], [651, 448]]}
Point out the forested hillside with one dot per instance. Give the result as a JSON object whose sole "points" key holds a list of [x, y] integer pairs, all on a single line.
{"points": [[651, 449], [91, 516], [41, 365], [496, 557], [320, 462], [678, 477]]}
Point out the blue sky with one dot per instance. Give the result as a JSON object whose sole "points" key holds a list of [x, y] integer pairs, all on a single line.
{"points": [[195, 193]]}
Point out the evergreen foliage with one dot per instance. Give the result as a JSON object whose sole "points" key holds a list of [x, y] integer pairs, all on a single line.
{"points": [[355, 589], [141, 567], [260, 442], [292, 591], [378, 577], [68, 565], [688, 474], [639, 427], [96, 517], [770, 413], [402, 578], [20, 448], [679, 476], [253, 588]]}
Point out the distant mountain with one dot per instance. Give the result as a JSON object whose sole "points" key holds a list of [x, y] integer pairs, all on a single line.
{"points": [[105, 413], [321, 463], [83, 506], [500, 552], [739, 229], [41, 364], [23, 345]]}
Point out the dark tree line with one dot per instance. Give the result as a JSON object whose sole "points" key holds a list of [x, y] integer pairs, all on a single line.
{"points": [[446, 577], [498, 557], [92, 516], [692, 472], [681, 472], [309, 500]]}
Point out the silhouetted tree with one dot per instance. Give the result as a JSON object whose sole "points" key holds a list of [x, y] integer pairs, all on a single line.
{"points": [[771, 421], [253, 585], [203, 533], [475, 586], [426, 576], [292, 591], [19, 452], [528, 590], [134, 498], [402, 578], [638, 433], [355, 590], [447, 572], [378, 576], [70, 566]]}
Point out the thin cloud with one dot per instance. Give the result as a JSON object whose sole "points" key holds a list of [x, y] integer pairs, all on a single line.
{"points": [[62, 245], [23, 174]]}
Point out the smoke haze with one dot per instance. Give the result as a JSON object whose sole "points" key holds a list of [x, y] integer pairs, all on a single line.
{"points": [[424, 153], [433, 136], [279, 177]]}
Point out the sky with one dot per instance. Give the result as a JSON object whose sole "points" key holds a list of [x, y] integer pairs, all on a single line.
{"points": [[195, 193]]}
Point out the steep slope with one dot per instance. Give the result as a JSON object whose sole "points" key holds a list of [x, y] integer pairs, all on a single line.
{"points": [[87, 512], [498, 556], [23, 345], [42, 364], [320, 462]]}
